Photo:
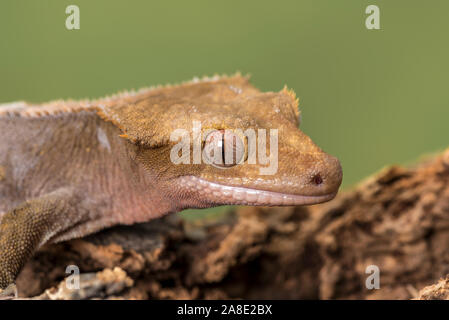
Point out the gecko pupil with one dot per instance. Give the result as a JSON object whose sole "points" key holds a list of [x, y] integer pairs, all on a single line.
{"points": [[223, 148]]}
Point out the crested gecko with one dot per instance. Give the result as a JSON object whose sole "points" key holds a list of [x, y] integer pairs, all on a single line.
{"points": [[71, 168]]}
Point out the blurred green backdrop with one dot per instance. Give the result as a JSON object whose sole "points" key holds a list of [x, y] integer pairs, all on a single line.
{"points": [[370, 97]]}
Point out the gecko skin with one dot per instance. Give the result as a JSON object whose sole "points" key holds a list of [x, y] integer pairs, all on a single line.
{"points": [[71, 168]]}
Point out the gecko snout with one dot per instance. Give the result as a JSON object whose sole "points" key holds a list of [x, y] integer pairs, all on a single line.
{"points": [[328, 176]]}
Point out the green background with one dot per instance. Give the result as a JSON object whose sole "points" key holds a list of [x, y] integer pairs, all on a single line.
{"points": [[370, 97]]}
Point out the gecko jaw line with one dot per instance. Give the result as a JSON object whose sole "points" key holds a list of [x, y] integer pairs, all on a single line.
{"points": [[245, 196]]}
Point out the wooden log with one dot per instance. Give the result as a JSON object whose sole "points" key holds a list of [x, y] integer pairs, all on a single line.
{"points": [[397, 220]]}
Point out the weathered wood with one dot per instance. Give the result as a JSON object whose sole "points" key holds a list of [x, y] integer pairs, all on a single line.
{"points": [[397, 220]]}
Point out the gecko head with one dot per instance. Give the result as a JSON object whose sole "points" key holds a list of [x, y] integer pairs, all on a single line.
{"points": [[221, 141]]}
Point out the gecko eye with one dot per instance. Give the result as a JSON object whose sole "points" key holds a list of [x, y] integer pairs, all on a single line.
{"points": [[223, 149]]}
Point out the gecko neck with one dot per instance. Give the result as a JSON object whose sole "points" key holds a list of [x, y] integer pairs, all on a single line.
{"points": [[88, 156]]}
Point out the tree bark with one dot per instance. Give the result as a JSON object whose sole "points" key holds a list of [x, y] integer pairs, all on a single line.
{"points": [[397, 220]]}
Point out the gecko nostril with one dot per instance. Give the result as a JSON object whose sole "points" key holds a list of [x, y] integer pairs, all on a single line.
{"points": [[317, 179]]}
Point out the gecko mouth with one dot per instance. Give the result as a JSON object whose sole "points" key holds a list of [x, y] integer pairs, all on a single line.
{"points": [[223, 194]]}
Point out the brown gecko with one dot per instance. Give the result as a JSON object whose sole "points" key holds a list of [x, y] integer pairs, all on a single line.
{"points": [[71, 168]]}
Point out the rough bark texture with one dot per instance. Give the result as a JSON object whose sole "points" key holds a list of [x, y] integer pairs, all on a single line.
{"points": [[438, 291], [397, 220]]}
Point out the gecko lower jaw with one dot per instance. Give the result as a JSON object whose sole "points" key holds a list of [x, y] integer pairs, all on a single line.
{"points": [[223, 194]]}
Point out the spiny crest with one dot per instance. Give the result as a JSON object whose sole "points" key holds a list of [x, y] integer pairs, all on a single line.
{"points": [[53, 108], [57, 107], [292, 94], [194, 80], [146, 117]]}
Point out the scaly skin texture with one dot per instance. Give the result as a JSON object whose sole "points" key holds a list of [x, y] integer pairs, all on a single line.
{"points": [[71, 168]]}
